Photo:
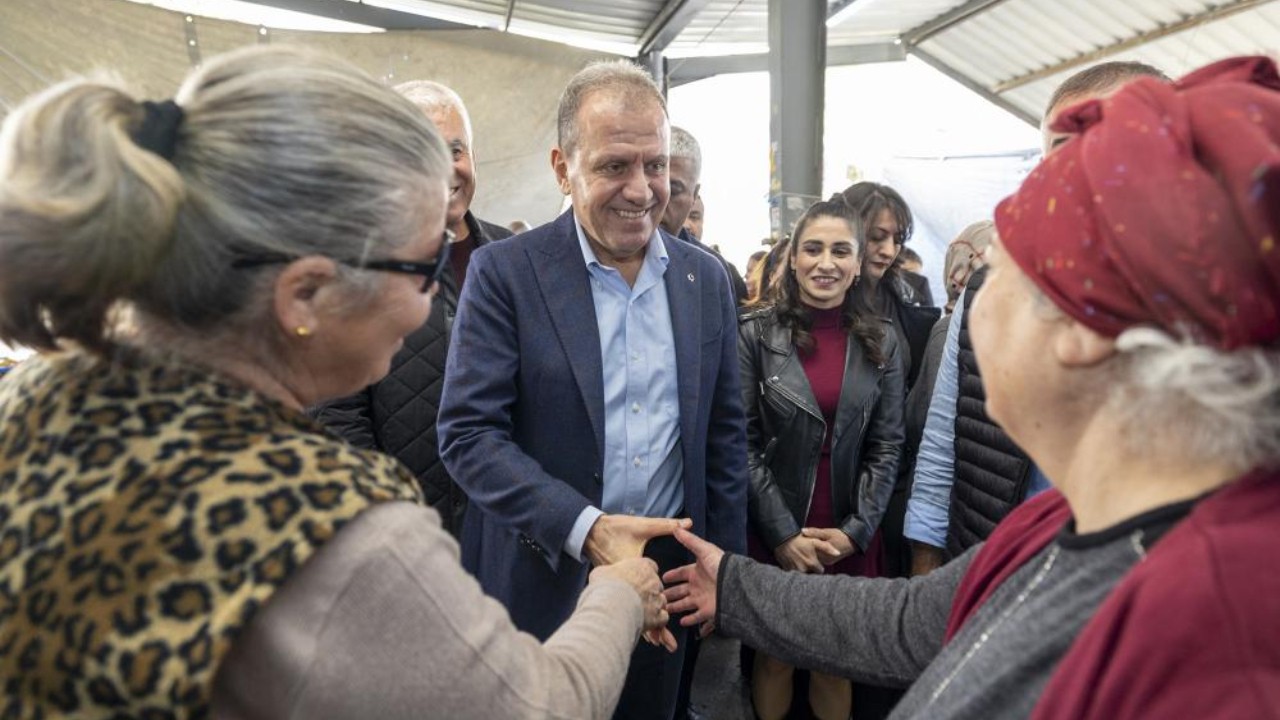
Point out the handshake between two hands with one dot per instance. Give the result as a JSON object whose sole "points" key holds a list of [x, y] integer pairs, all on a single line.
{"points": [[615, 546]]}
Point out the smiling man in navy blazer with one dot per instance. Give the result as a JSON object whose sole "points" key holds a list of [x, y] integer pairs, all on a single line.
{"points": [[592, 384]]}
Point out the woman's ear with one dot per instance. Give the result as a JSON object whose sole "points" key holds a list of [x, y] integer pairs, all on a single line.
{"points": [[297, 294], [1077, 346]]}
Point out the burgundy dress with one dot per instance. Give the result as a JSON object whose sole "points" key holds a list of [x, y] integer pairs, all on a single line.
{"points": [[824, 367]]}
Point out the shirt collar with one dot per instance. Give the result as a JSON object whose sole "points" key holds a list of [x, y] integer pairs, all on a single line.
{"points": [[655, 252]]}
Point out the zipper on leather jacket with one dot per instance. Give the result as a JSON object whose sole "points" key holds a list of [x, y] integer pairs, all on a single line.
{"points": [[813, 483], [783, 391]]}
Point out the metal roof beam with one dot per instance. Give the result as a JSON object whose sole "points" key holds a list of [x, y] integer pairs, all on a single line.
{"points": [[506, 21], [688, 70], [30, 70], [969, 83], [837, 7], [1088, 58], [948, 20], [667, 25], [363, 14]]}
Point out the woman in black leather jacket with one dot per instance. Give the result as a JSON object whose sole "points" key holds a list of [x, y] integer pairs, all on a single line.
{"points": [[888, 225], [823, 389]]}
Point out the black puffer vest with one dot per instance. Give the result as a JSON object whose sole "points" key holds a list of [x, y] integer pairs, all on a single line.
{"points": [[397, 415], [991, 472]]}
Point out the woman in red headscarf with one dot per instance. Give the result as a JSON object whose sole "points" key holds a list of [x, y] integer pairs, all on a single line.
{"points": [[1129, 335]]}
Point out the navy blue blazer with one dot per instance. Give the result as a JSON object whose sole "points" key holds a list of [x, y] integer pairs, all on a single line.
{"points": [[522, 414]]}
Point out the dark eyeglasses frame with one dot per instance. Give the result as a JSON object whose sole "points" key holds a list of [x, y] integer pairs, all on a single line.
{"points": [[431, 272]]}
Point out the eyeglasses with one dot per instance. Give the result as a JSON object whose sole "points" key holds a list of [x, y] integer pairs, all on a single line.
{"points": [[431, 272]]}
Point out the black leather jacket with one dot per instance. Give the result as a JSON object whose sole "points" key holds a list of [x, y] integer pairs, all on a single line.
{"points": [[785, 430]]}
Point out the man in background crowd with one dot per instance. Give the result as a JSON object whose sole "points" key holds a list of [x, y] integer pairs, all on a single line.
{"points": [[913, 275], [398, 414], [685, 170], [693, 223]]}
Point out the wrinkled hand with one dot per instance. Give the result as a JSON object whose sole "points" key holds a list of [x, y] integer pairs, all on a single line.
{"points": [[692, 588], [642, 575], [614, 538], [834, 537], [803, 554]]}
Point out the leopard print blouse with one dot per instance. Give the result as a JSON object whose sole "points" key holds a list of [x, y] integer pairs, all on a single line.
{"points": [[147, 510]]}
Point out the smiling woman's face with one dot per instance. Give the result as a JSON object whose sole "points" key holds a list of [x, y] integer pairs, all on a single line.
{"points": [[825, 262]]}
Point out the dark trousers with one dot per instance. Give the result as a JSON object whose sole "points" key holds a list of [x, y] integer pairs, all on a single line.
{"points": [[657, 686]]}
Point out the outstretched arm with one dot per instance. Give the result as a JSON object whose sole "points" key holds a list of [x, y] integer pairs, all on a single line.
{"points": [[875, 630], [383, 622]]}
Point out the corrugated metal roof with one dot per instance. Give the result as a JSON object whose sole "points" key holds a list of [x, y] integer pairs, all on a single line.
{"points": [[1020, 50], [611, 26], [880, 20], [725, 27], [624, 19], [1012, 51]]}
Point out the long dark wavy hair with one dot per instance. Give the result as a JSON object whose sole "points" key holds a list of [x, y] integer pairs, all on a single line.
{"points": [[856, 317], [866, 200]]}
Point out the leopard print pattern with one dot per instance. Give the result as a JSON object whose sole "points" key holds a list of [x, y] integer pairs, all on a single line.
{"points": [[147, 510]]}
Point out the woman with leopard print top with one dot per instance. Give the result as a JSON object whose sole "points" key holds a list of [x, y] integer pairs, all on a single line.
{"points": [[177, 539]]}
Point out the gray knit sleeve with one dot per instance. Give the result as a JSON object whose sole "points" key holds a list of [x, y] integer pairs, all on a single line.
{"points": [[875, 630]]}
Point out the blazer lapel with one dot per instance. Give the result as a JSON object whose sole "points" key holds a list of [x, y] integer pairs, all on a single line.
{"points": [[566, 288], [684, 298]]}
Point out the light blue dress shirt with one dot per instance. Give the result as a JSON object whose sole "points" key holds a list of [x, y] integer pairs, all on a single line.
{"points": [[928, 509], [643, 464]]}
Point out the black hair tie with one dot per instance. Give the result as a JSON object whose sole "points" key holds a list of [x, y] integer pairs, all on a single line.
{"points": [[159, 130]]}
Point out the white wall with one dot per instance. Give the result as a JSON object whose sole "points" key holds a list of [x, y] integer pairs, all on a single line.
{"points": [[511, 84]]}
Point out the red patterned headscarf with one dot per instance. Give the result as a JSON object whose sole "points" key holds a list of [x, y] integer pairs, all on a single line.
{"points": [[1165, 211]]}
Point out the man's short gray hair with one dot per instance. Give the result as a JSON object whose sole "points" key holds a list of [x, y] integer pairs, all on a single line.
{"points": [[432, 97], [685, 145], [620, 77]]}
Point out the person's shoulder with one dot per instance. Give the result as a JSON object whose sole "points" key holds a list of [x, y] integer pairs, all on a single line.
{"points": [[690, 250], [700, 260], [507, 247], [758, 314], [757, 321], [1202, 601], [549, 237], [1225, 531], [491, 231], [940, 325], [383, 521]]}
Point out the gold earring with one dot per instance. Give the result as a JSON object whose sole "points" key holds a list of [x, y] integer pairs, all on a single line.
{"points": [[302, 331]]}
